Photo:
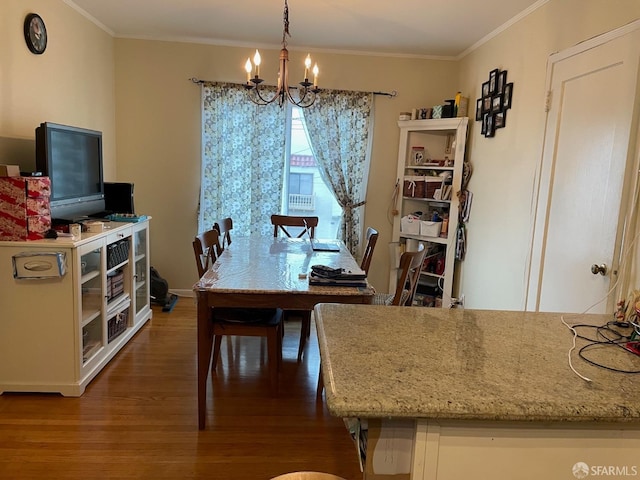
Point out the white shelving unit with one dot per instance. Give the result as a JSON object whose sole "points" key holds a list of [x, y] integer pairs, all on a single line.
{"points": [[60, 327], [443, 144]]}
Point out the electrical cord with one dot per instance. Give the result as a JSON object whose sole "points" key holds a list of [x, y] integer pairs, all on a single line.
{"points": [[573, 347], [575, 333], [604, 334]]}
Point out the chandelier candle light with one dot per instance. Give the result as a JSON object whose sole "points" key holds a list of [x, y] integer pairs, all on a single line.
{"points": [[307, 91]]}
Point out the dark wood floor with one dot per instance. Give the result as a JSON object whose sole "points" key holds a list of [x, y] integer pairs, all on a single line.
{"points": [[138, 417]]}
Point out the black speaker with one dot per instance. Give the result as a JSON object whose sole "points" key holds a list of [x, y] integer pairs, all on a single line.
{"points": [[118, 197]]}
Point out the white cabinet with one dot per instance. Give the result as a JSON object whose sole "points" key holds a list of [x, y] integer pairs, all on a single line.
{"points": [[430, 166], [58, 329]]}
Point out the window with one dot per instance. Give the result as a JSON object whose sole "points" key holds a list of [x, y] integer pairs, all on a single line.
{"points": [[246, 171], [306, 192], [301, 183]]}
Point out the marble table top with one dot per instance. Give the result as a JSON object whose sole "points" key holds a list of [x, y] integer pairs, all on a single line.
{"points": [[461, 364], [276, 265]]}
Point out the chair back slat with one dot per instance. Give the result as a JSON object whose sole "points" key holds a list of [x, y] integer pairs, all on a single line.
{"points": [[206, 248], [410, 268], [224, 228], [282, 222], [372, 238]]}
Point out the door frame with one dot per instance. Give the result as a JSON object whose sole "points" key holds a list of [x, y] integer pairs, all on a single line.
{"points": [[626, 233]]}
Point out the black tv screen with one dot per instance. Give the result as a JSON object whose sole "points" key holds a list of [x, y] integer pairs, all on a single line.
{"points": [[72, 158]]}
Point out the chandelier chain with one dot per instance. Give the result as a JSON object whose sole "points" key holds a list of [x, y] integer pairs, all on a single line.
{"points": [[285, 22]]}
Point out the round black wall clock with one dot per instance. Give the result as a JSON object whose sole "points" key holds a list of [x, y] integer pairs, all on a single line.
{"points": [[35, 33]]}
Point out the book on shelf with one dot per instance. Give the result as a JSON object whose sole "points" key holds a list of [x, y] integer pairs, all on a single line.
{"points": [[446, 192]]}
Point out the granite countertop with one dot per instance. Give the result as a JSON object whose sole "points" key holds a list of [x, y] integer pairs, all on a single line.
{"points": [[461, 364]]}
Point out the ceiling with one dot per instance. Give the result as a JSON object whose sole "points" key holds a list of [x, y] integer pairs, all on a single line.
{"points": [[425, 28]]}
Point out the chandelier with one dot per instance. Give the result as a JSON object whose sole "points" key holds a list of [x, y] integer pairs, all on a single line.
{"points": [[306, 92]]}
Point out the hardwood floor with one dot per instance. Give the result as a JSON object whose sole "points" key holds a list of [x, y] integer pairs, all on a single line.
{"points": [[138, 417]]}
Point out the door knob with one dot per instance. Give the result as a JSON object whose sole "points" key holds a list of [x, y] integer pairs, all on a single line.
{"points": [[599, 269]]}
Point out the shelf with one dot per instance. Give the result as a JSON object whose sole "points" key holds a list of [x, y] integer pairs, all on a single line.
{"points": [[434, 126], [431, 275], [120, 265], [87, 318], [441, 240], [117, 303], [432, 167], [90, 350], [430, 200], [140, 257], [89, 276]]}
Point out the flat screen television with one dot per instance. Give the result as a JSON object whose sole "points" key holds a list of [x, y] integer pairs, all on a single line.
{"points": [[72, 158]]}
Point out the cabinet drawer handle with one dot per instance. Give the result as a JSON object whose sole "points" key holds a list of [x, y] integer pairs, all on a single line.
{"points": [[38, 266]]}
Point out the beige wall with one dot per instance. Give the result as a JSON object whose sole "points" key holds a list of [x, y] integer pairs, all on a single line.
{"points": [[499, 231], [71, 83], [158, 124]]}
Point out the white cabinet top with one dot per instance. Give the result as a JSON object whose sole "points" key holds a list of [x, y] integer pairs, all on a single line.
{"points": [[68, 242]]}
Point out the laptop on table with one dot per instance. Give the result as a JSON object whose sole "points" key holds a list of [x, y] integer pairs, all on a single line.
{"points": [[324, 246]]}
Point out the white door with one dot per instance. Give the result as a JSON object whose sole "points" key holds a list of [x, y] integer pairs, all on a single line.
{"points": [[582, 187]]}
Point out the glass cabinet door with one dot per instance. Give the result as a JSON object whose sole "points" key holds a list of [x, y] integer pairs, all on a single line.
{"points": [[141, 259], [92, 299]]}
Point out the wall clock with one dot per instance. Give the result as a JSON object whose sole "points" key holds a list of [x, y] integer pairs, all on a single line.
{"points": [[35, 33]]}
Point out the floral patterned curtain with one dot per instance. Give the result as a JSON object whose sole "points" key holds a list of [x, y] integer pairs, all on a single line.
{"points": [[243, 148], [339, 125]]}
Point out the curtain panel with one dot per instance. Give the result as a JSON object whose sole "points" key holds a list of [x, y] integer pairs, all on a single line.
{"points": [[243, 147], [339, 125]]}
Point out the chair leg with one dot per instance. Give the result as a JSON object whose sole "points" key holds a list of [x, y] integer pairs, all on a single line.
{"points": [[274, 338], [305, 331], [280, 342], [217, 340]]}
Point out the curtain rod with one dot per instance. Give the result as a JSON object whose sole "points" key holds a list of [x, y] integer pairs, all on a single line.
{"points": [[391, 94]]}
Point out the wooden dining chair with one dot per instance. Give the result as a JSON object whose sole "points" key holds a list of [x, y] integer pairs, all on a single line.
{"points": [[408, 277], [206, 247], [371, 238], [224, 228], [281, 224], [248, 322]]}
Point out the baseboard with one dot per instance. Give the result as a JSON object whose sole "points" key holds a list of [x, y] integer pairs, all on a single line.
{"points": [[183, 292]]}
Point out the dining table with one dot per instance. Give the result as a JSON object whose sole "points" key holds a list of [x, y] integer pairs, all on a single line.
{"points": [[266, 272]]}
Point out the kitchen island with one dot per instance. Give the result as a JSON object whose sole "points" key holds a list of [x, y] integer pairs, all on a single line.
{"points": [[488, 394]]}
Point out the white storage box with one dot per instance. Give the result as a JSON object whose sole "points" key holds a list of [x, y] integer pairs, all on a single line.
{"points": [[430, 229], [410, 224]]}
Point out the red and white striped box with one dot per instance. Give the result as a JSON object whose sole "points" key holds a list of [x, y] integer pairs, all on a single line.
{"points": [[24, 208]]}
